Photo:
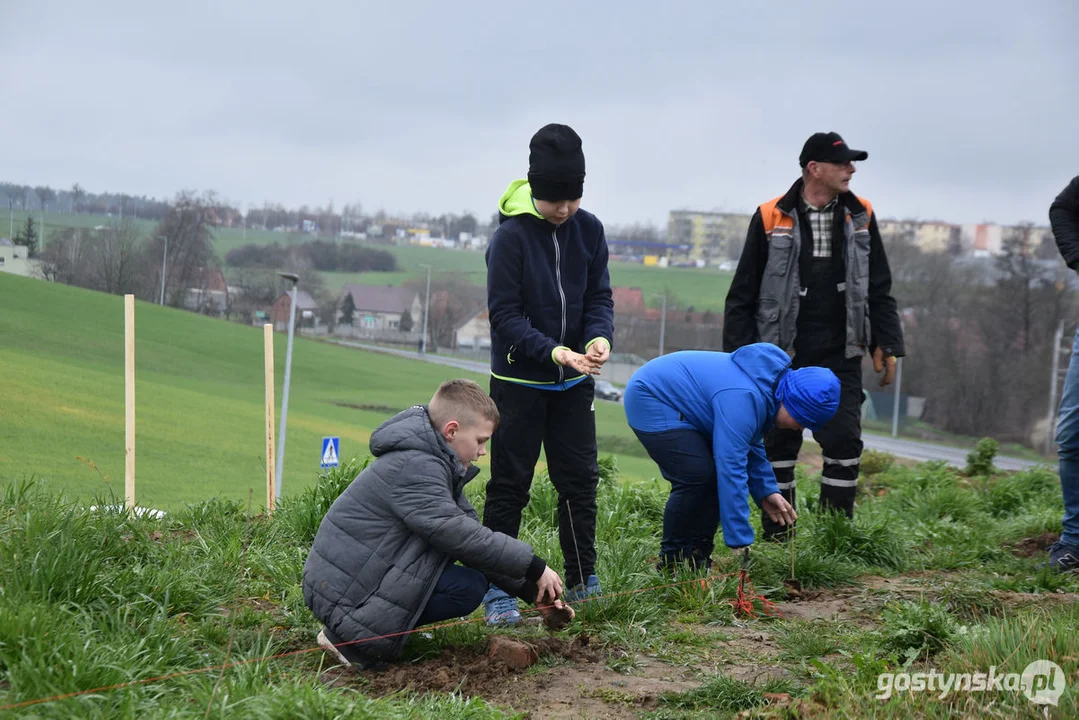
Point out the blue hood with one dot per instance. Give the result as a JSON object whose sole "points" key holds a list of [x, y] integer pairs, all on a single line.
{"points": [[764, 364]]}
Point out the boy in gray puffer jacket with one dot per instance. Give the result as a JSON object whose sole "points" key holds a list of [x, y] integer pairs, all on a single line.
{"points": [[383, 559]]}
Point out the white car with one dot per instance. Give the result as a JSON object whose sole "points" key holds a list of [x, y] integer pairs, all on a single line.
{"points": [[606, 391]]}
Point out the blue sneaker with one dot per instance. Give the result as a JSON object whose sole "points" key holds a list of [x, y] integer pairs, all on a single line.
{"points": [[499, 608], [584, 591], [1063, 558]]}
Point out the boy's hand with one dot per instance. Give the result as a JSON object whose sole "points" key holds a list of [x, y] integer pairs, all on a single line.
{"points": [[779, 509], [581, 363], [549, 586], [600, 352]]}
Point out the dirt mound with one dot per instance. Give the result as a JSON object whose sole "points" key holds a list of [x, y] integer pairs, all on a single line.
{"points": [[1031, 546], [577, 684], [473, 670]]}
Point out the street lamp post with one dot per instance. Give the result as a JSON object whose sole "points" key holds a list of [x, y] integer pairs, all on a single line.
{"points": [[280, 468], [164, 262], [426, 310]]}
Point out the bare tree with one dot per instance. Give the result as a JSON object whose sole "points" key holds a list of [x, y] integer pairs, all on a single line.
{"points": [[10, 193], [189, 249], [45, 195], [119, 262], [77, 195], [978, 343], [64, 260]]}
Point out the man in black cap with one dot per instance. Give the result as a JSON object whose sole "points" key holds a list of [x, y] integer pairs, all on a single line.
{"points": [[814, 280], [552, 322]]}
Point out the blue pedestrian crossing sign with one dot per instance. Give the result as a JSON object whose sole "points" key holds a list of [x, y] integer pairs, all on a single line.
{"points": [[330, 448]]}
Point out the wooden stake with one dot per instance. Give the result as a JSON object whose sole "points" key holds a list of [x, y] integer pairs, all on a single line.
{"points": [[267, 351], [129, 402]]}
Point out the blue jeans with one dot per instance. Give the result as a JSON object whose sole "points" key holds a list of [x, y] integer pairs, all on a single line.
{"points": [[1068, 448], [691, 517], [458, 591]]}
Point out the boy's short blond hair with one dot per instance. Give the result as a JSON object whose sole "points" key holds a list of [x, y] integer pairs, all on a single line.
{"points": [[461, 400]]}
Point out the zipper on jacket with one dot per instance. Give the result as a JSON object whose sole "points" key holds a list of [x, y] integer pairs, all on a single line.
{"points": [[561, 294]]}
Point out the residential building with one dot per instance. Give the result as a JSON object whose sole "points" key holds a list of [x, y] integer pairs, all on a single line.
{"points": [[897, 230], [208, 293], [712, 236], [981, 239], [936, 237], [628, 300], [14, 260], [306, 311], [380, 307], [476, 332], [1029, 238]]}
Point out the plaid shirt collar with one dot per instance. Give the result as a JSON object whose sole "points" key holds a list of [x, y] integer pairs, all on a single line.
{"points": [[812, 208]]}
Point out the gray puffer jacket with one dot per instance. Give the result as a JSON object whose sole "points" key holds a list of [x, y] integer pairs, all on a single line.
{"points": [[387, 538]]}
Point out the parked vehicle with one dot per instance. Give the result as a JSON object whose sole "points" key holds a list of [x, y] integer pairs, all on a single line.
{"points": [[606, 391]]}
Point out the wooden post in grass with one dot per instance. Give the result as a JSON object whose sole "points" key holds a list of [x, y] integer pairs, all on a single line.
{"points": [[267, 351], [129, 402]]}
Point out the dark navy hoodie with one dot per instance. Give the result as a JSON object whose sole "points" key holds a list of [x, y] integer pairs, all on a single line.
{"points": [[547, 287]]}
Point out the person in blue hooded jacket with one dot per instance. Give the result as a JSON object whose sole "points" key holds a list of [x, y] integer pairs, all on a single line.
{"points": [[552, 321], [702, 417]]}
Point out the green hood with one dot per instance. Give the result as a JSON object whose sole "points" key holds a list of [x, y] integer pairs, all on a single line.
{"points": [[517, 200]]}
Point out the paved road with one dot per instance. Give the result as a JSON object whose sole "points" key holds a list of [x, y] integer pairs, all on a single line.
{"points": [[923, 451], [910, 449], [470, 365]]}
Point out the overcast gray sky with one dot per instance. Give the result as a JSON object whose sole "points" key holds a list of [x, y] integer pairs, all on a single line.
{"points": [[969, 111]]}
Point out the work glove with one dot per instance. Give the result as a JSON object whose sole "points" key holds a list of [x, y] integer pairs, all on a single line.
{"points": [[884, 364]]}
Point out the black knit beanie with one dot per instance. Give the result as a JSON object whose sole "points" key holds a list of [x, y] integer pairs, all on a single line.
{"points": [[556, 164]]}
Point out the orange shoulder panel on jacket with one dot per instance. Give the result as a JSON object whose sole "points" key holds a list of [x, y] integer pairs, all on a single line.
{"points": [[773, 217]]}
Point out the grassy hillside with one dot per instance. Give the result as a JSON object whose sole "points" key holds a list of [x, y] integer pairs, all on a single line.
{"points": [[199, 392]]}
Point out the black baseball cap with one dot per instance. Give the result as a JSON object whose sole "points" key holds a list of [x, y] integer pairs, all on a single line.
{"points": [[829, 147]]}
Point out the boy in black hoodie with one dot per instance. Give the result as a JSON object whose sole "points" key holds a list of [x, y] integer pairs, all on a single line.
{"points": [[552, 322]]}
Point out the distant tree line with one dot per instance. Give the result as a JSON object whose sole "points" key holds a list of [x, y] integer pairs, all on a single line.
{"points": [[323, 221], [76, 200]]}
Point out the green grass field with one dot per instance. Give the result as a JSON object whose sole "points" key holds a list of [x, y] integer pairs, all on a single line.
{"points": [[200, 614], [15, 219], [701, 288], [199, 394]]}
